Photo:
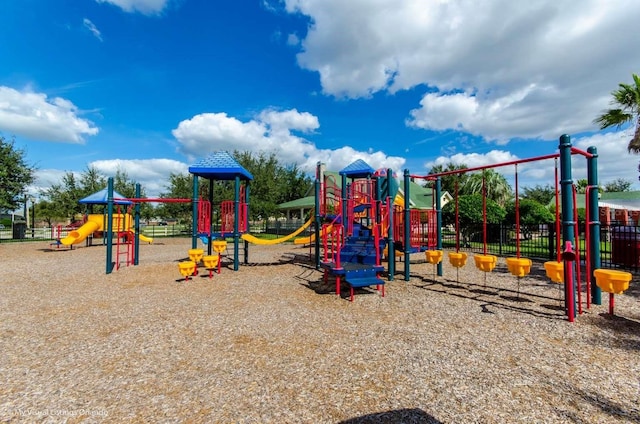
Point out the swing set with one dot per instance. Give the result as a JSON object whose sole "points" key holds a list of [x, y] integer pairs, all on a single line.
{"points": [[567, 267]]}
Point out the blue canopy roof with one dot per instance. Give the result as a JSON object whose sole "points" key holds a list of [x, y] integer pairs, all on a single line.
{"points": [[358, 169], [100, 198], [220, 166]]}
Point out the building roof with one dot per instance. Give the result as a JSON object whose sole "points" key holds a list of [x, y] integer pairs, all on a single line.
{"points": [[220, 166], [302, 203], [629, 200]]}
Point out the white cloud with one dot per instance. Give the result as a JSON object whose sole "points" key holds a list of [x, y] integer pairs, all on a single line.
{"points": [[152, 174], [34, 116], [92, 28], [146, 7], [613, 161], [270, 131], [500, 69]]}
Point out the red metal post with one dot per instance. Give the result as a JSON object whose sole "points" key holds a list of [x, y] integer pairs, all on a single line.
{"points": [[569, 257]]}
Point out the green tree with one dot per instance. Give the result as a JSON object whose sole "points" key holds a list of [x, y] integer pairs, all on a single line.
{"points": [[618, 185], [15, 175], [531, 215], [47, 212], [541, 194], [273, 183], [496, 186], [64, 197], [581, 185], [180, 187], [126, 186], [92, 181], [470, 215], [448, 182], [626, 110]]}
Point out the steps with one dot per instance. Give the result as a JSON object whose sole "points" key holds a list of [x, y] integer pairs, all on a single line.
{"points": [[358, 262]]}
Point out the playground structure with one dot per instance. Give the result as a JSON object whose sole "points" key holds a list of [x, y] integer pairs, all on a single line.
{"points": [[357, 222], [360, 220]]}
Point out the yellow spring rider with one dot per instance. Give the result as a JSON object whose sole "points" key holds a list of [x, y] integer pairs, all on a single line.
{"points": [[211, 262]]}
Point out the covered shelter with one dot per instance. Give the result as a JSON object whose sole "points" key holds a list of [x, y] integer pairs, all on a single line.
{"points": [[222, 166]]}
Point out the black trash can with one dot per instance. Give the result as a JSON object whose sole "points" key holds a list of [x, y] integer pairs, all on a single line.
{"points": [[625, 246], [19, 230]]}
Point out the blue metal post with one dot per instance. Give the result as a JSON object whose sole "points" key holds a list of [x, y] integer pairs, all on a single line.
{"points": [[568, 223], [594, 216]]}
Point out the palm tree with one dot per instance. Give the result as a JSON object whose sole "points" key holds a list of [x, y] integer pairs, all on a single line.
{"points": [[627, 100], [496, 186]]}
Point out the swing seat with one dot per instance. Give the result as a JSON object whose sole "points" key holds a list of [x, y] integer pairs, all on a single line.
{"points": [[210, 261], [457, 259], [485, 263], [219, 246], [612, 281], [555, 271], [519, 267], [187, 268], [433, 256], [195, 255]]}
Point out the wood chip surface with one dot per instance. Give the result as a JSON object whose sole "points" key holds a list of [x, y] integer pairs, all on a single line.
{"points": [[272, 343]]}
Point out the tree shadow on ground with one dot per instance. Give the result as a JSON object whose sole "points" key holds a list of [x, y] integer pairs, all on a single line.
{"points": [[617, 412], [620, 332], [406, 416], [505, 299]]}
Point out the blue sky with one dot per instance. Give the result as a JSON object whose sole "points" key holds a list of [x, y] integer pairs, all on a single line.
{"points": [[150, 86]]}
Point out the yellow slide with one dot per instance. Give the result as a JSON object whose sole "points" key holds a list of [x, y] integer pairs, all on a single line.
{"points": [[312, 237], [95, 222], [305, 240], [255, 240], [79, 235]]}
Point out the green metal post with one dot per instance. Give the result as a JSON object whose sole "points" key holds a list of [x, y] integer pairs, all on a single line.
{"points": [[594, 225], [109, 225], [439, 221], [568, 223], [194, 213], [407, 221]]}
